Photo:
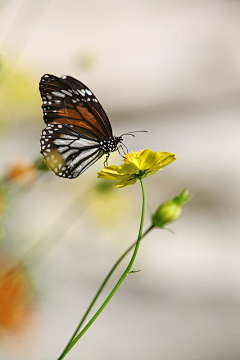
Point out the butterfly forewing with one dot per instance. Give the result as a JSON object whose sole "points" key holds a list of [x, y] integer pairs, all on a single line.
{"points": [[65, 105], [91, 99]]}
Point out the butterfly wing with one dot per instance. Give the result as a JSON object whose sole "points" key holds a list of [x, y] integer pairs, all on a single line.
{"points": [[63, 104], [66, 153], [91, 99], [75, 126]]}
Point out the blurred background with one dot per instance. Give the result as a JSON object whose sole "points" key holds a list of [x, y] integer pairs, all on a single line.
{"points": [[171, 68]]}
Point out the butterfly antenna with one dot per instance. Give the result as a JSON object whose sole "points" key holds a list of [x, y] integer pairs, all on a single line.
{"points": [[131, 132]]}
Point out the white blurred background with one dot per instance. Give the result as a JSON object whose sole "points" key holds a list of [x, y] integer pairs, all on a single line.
{"points": [[171, 68]]}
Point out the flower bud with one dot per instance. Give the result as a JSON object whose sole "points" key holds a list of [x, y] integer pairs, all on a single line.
{"points": [[170, 210]]}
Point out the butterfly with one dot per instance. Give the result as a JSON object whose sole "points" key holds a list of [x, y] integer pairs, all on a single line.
{"points": [[78, 131]]}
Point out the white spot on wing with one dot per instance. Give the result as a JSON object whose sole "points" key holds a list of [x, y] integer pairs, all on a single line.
{"points": [[82, 92], [65, 136], [56, 93], [66, 92]]}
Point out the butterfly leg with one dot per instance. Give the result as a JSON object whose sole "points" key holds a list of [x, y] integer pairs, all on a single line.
{"points": [[124, 151], [106, 160]]}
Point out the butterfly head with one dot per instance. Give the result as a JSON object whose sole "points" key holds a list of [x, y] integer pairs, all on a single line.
{"points": [[110, 144]]}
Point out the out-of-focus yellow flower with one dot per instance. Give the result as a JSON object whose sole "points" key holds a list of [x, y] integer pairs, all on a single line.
{"points": [[18, 93], [104, 200], [137, 165], [22, 171]]}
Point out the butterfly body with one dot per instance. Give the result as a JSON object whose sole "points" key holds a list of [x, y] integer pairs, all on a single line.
{"points": [[78, 131]]}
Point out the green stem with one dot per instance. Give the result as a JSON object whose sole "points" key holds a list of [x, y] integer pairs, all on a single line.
{"points": [[102, 287], [75, 338]]}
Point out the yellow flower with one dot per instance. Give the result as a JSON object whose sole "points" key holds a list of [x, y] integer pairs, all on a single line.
{"points": [[137, 165]]}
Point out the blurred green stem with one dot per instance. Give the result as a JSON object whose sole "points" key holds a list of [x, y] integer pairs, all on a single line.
{"points": [[74, 339]]}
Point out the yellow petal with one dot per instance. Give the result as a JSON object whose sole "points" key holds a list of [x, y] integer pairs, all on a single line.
{"points": [[166, 158], [111, 173], [130, 168], [154, 160], [126, 182]]}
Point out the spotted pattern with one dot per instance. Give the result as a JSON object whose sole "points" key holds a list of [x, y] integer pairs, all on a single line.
{"points": [[77, 131]]}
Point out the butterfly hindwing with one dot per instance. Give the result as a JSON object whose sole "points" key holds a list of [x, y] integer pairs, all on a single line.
{"points": [[66, 152]]}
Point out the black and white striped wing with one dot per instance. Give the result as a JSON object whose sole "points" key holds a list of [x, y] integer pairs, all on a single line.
{"points": [[67, 152]]}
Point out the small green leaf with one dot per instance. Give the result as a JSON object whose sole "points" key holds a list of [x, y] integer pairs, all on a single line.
{"points": [[133, 271]]}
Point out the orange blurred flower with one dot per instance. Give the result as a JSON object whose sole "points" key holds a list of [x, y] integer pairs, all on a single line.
{"points": [[22, 171], [15, 298]]}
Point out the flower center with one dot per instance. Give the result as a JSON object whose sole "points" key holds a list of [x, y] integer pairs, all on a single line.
{"points": [[128, 157]]}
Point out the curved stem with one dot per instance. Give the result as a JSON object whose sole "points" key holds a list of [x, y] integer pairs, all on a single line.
{"points": [[103, 285], [75, 338]]}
